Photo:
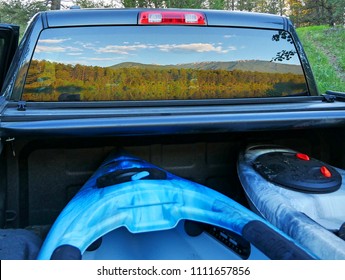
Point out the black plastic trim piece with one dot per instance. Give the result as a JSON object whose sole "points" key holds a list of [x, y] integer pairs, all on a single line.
{"points": [[126, 175], [272, 244], [231, 240], [66, 252], [172, 103]]}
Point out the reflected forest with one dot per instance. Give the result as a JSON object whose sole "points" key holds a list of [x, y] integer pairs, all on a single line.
{"points": [[50, 81]]}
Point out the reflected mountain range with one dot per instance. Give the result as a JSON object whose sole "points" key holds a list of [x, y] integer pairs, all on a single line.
{"points": [[243, 65]]}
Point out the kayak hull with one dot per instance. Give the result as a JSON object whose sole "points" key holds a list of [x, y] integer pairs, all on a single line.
{"points": [[310, 218], [130, 193]]}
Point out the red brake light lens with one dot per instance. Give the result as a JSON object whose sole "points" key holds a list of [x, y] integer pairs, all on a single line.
{"points": [[172, 17]]}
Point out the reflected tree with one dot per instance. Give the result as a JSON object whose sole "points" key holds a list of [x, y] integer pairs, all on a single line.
{"points": [[284, 54]]}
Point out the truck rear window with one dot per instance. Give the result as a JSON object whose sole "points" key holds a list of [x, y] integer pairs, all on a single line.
{"points": [[162, 63]]}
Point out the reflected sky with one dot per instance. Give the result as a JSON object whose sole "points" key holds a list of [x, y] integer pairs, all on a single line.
{"points": [[161, 45]]}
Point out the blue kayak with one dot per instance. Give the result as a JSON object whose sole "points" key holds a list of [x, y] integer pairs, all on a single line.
{"points": [[128, 198], [300, 195]]}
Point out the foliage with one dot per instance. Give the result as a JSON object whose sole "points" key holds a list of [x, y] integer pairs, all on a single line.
{"points": [[325, 49], [324, 12], [49, 81], [20, 12], [95, 4], [301, 12], [284, 54], [163, 4]]}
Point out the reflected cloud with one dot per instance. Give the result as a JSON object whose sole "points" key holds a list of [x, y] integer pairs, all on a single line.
{"points": [[101, 58], [74, 53], [59, 46], [53, 41], [195, 47], [122, 49], [48, 49], [229, 36], [57, 49]]}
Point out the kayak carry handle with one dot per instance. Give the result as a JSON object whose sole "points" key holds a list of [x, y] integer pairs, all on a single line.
{"points": [[271, 243], [131, 174]]}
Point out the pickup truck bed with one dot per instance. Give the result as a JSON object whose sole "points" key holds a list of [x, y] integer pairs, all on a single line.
{"points": [[45, 173]]}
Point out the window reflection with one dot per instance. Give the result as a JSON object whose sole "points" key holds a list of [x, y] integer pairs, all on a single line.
{"points": [[162, 63]]}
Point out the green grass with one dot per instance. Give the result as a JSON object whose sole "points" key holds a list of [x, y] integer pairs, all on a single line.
{"points": [[325, 49]]}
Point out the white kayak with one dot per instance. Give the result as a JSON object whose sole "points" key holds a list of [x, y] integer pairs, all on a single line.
{"points": [[300, 195]]}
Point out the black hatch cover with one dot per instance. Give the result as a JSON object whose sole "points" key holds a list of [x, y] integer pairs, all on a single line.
{"points": [[297, 171]]}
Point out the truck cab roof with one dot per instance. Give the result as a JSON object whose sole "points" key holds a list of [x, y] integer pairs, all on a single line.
{"points": [[86, 17]]}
